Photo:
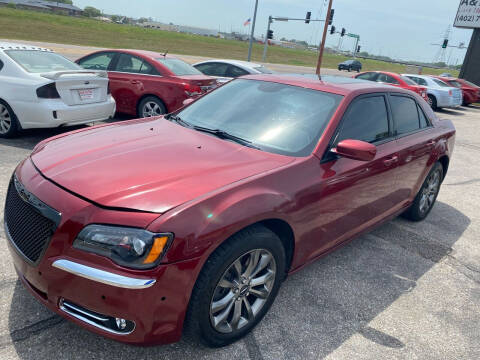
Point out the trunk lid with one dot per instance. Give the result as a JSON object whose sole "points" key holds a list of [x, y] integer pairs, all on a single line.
{"points": [[80, 87]]}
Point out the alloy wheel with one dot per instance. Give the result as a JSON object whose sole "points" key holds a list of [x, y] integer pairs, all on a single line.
{"points": [[430, 101], [5, 119], [151, 108], [242, 291], [429, 192]]}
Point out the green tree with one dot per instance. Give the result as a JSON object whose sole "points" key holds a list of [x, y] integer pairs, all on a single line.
{"points": [[90, 11]]}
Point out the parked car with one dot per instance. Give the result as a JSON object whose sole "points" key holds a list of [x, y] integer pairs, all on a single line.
{"points": [[350, 65], [471, 92], [42, 89], [440, 94], [146, 83], [394, 80], [226, 70], [128, 229]]}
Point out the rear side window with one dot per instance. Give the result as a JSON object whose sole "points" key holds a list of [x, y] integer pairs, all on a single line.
{"points": [[213, 69], [441, 83], [97, 61], [407, 115], [368, 76], [366, 120], [235, 71], [384, 78], [132, 64], [417, 80]]}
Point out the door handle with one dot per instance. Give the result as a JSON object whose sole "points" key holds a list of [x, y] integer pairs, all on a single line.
{"points": [[391, 161], [134, 82], [431, 143]]}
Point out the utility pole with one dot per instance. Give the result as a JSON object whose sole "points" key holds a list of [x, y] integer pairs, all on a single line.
{"points": [[253, 32], [322, 45]]}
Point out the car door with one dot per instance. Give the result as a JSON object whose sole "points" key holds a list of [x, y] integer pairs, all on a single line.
{"points": [[127, 81], [356, 194], [370, 76], [387, 79], [415, 138], [97, 61]]}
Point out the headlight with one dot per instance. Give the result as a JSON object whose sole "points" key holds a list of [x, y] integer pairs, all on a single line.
{"points": [[129, 247]]}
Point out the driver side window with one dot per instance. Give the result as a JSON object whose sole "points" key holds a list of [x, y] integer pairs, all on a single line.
{"points": [[366, 120], [97, 61]]}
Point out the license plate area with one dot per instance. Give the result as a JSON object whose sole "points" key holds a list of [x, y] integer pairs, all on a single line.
{"points": [[85, 94]]}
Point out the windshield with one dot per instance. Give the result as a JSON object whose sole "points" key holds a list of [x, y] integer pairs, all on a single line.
{"points": [[278, 118], [178, 67], [35, 61], [441, 83], [263, 70], [408, 80]]}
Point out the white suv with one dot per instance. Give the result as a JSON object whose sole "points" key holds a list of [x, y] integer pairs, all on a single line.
{"points": [[42, 89]]}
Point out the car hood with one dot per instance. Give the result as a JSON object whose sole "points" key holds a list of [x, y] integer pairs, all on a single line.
{"points": [[149, 165]]}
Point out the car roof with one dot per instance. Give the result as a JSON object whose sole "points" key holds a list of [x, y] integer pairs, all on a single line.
{"points": [[18, 46], [419, 76], [233, 62], [333, 84], [141, 53]]}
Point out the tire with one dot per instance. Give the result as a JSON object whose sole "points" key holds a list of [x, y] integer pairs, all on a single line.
{"points": [[151, 106], [349, 69], [204, 322], [432, 101], [9, 126], [421, 207]]}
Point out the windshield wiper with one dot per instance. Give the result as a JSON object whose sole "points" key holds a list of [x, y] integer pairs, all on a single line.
{"points": [[179, 120], [222, 134]]}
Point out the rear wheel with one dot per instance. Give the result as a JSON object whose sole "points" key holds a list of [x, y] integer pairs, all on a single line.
{"points": [[236, 287], [8, 121], [432, 101], [151, 106], [426, 197], [349, 69]]}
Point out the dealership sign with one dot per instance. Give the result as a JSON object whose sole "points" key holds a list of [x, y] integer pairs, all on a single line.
{"points": [[468, 15]]}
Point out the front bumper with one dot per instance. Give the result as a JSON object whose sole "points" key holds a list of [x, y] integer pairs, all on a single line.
{"points": [[154, 300], [50, 113]]}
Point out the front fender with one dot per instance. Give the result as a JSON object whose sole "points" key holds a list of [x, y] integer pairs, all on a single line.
{"points": [[201, 227]]}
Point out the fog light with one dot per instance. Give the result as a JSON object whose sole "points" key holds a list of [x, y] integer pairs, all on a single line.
{"points": [[121, 323]]}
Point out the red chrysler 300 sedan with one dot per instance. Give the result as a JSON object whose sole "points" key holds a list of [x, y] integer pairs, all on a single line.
{"points": [[135, 229], [146, 83]]}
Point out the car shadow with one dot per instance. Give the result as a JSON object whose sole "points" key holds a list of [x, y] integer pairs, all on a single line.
{"points": [[453, 112], [27, 139], [317, 309]]}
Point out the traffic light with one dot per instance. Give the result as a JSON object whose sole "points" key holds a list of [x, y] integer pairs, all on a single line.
{"points": [[330, 21], [332, 30], [270, 34], [342, 34], [445, 44], [358, 48], [307, 19]]}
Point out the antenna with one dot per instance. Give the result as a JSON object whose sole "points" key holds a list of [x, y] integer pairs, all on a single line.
{"points": [[165, 54]]}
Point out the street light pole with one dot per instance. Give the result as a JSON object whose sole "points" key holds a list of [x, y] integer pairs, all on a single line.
{"points": [[253, 31], [322, 45]]}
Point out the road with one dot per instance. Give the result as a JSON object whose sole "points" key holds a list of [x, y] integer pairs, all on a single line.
{"points": [[405, 291]]}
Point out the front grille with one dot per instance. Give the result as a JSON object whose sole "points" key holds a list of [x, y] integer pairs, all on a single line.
{"points": [[29, 223]]}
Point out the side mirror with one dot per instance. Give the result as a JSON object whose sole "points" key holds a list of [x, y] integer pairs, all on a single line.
{"points": [[188, 101], [356, 150]]}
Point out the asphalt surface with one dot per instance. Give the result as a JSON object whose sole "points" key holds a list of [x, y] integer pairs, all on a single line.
{"points": [[405, 291]]}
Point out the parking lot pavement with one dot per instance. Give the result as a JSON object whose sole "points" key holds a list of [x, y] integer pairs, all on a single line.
{"points": [[405, 291]]}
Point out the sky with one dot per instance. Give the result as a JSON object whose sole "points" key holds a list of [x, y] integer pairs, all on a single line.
{"points": [[401, 29]]}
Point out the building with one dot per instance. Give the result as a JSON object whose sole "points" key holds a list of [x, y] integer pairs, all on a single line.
{"points": [[44, 6]]}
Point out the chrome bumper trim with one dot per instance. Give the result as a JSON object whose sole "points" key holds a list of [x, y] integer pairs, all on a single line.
{"points": [[102, 276]]}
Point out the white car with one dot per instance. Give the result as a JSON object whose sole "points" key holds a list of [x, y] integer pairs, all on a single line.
{"points": [[226, 70], [42, 89], [440, 94]]}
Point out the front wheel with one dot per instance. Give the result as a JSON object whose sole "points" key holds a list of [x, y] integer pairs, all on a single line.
{"points": [[9, 126], [236, 287], [426, 197], [432, 101]]}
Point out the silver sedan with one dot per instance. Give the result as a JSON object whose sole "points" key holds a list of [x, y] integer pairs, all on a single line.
{"points": [[440, 94], [226, 70]]}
